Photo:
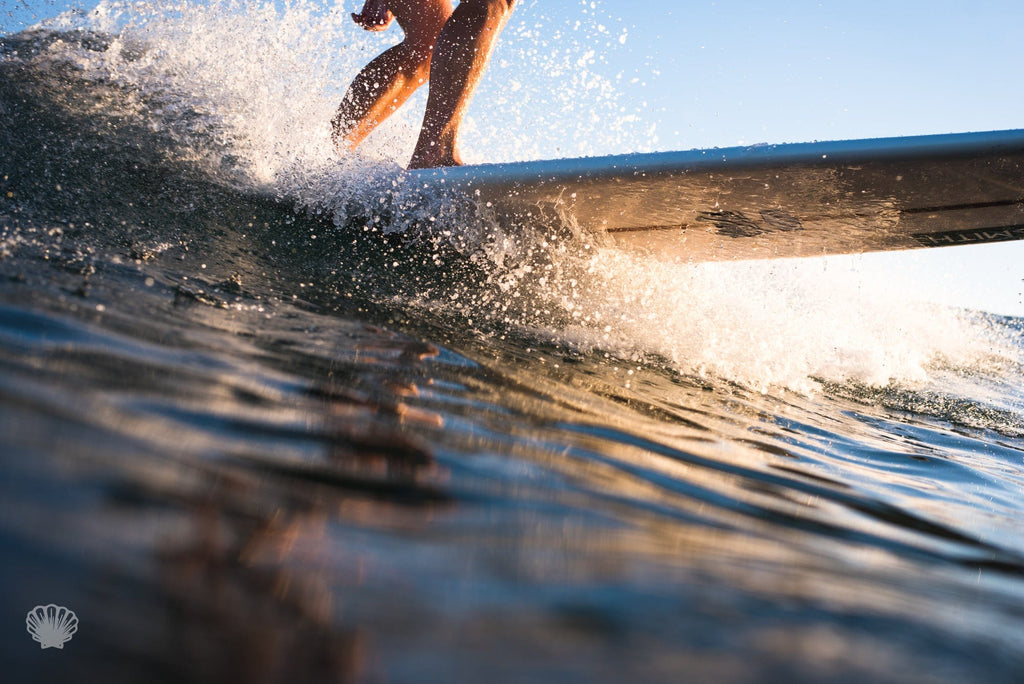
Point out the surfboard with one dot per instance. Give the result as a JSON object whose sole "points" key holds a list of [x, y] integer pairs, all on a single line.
{"points": [[771, 201]]}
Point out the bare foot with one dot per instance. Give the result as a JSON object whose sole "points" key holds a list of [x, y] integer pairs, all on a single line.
{"points": [[433, 161]]}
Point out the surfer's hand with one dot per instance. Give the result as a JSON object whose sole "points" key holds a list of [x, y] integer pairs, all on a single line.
{"points": [[375, 16]]}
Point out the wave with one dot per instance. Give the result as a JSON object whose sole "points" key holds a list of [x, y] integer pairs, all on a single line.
{"points": [[204, 128], [235, 365]]}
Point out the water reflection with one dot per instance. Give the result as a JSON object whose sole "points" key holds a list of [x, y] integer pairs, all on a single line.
{"points": [[299, 496]]}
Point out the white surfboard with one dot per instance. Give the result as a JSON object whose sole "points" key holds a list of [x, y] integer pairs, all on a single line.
{"points": [[772, 201]]}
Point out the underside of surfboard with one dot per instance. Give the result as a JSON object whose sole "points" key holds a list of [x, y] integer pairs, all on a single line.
{"points": [[774, 201]]}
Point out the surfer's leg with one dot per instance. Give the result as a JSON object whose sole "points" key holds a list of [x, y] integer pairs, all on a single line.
{"points": [[393, 76], [458, 64]]}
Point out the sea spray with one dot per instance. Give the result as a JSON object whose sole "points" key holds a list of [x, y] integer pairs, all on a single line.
{"points": [[787, 324], [781, 323], [273, 74], [274, 415], [246, 91]]}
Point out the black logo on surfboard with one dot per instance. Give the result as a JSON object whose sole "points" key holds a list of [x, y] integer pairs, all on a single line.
{"points": [[974, 236]]}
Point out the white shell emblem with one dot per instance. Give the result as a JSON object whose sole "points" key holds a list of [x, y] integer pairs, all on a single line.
{"points": [[51, 625]]}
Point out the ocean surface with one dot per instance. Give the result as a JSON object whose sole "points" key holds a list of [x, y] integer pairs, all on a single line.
{"points": [[267, 415]]}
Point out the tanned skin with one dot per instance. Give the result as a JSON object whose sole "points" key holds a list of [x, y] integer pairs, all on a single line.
{"points": [[448, 47]]}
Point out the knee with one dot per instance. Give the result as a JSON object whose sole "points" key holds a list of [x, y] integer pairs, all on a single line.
{"points": [[416, 58]]}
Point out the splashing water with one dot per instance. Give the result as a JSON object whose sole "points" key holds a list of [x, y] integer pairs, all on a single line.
{"points": [[248, 91], [259, 397]]}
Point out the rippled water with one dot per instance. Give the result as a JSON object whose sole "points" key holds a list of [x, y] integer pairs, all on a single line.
{"points": [[268, 423]]}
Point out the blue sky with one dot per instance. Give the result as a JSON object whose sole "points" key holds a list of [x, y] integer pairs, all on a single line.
{"points": [[732, 72], [724, 73]]}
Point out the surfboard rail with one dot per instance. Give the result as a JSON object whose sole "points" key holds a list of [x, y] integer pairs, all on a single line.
{"points": [[774, 201]]}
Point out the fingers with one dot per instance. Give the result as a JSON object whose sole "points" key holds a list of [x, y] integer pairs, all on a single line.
{"points": [[373, 21]]}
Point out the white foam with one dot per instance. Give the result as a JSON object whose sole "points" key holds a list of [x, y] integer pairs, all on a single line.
{"points": [[772, 323]]}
